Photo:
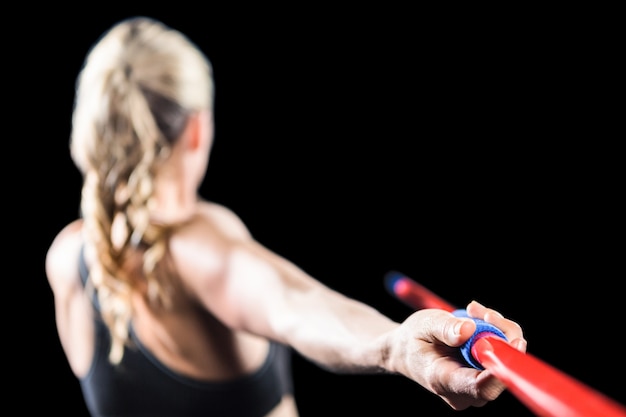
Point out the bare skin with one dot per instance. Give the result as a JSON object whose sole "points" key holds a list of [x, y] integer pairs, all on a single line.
{"points": [[234, 294]]}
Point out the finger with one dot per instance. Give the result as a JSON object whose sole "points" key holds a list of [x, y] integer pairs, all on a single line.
{"points": [[520, 344], [490, 387], [478, 310], [511, 329]]}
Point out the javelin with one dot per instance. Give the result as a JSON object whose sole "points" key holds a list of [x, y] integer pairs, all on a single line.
{"points": [[545, 390]]}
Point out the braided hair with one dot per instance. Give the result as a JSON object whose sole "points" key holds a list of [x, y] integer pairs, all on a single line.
{"points": [[134, 94]]}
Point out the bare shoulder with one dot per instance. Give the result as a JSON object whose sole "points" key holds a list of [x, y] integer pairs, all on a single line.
{"points": [[61, 270], [224, 220], [200, 248]]}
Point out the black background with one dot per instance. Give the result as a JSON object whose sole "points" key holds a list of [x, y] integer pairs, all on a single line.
{"points": [[479, 157]]}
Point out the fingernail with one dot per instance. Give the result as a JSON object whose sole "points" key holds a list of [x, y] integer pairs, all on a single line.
{"points": [[457, 328], [493, 313]]}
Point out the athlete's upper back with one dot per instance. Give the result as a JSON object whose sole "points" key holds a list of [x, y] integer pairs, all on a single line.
{"points": [[144, 385], [141, 385]]}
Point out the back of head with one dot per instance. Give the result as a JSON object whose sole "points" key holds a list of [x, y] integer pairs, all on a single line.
{"points": [[139, 84]]}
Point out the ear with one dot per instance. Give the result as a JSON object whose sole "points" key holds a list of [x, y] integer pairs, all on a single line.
{"points": [[199, 129]]}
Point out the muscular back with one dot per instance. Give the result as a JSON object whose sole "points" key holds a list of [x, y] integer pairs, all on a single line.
{"points": [[186, 339]]}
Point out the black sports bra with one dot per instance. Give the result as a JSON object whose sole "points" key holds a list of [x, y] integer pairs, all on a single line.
{"points": [[142, 386]]}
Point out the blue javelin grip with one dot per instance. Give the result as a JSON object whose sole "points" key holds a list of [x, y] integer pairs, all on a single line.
{"points": [[482, 329], [418, 296]]}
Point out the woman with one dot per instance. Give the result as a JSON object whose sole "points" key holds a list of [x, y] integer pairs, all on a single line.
{"points": [[165, 304]]}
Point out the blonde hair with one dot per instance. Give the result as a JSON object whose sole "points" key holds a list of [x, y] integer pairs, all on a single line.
{"points": [[138, 86]]}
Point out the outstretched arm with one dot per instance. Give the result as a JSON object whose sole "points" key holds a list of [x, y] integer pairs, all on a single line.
{"points": [[258, 291], [345, 335]]}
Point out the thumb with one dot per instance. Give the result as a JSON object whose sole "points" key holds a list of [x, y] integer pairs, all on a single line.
{"points": [[456, 331], [443, 327]]}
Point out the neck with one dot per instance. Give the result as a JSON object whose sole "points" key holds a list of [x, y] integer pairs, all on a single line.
{"points": [[173, 203]]}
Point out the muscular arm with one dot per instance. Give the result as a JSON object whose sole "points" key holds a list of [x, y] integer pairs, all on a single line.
{"points": [[73, 311], [251, 288], [273, 297]]}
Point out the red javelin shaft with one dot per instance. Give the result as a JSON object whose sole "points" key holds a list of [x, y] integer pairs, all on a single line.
{"points": [[545, 390]]}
